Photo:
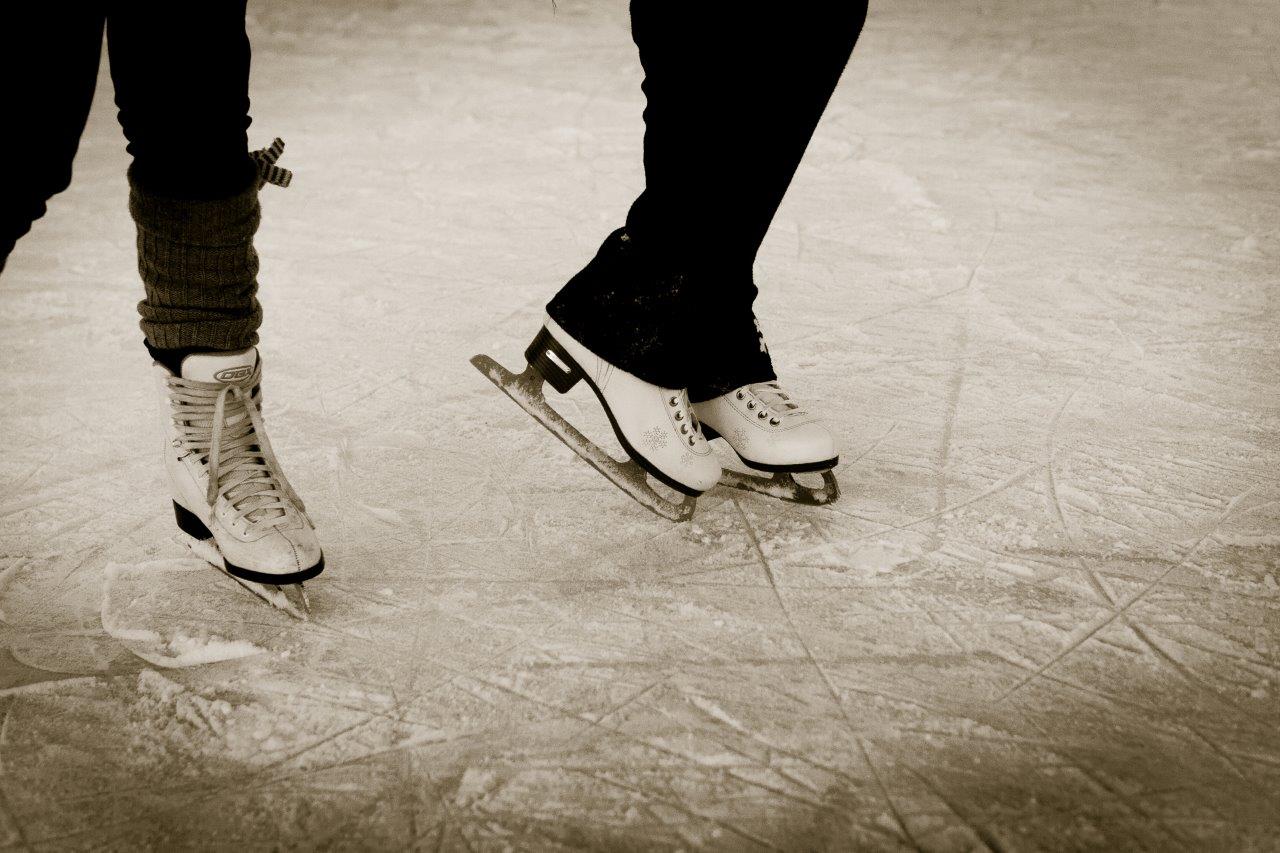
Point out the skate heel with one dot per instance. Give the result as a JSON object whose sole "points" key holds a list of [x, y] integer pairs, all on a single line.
{"points": [[189, 524], [549, 359]]}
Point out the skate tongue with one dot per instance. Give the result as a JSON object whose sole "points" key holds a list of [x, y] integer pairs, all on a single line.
{"points": [[772, 395], [229, 368], [223, 367]]}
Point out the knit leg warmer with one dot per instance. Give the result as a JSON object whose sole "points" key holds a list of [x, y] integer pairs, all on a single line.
{"points": [[199, 268]]}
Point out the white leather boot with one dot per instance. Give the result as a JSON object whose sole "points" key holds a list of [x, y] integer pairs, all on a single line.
{"points": [[768, 429], [655, 425], [226, 483]]}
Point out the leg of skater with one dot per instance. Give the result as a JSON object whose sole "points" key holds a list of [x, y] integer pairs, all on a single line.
{"points": [[181, 74], [49, 67], [663, 313], [622, 324], [732, 101], [732, 104]]}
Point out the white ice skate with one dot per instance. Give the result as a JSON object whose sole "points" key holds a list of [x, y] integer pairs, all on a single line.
{"points": [[654, 425], [227, 487], [771, 432]]}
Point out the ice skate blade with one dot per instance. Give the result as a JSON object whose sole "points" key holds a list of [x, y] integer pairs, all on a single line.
{"points": [[273, 594], [783, 485], [525, 389]]}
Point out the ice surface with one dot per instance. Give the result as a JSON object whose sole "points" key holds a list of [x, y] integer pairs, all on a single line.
{"points": [[1029, 269]]}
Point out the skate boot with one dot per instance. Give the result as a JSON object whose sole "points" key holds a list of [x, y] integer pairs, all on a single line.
{"points": [[227, 487], [770, 431], [654, 425]]}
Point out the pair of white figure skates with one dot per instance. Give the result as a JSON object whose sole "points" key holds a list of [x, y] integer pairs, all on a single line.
{"points": [[231, 496], [666, 437]]}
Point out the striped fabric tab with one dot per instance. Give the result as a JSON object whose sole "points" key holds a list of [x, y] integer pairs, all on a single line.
{"points": [[268, 171]]}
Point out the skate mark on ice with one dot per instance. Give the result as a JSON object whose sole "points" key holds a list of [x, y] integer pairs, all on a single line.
{"points": [[1008, 482], [1184, 672], [955, 385], [177, 613], [822, 675], [1083, 768], [680, 806], [96, 551], [982, 833], [676, 634], [258, 778], [1149, 713], [55, 627], [943, 628], [1219, 752], [56, 490], [21, 480], [633, 698], [786, 615], [652, 744], [929, 300], [400, 377], [11, 817], [720, 717], [1248, 662], [876, 442], [1090, 629], [1055, 505]]}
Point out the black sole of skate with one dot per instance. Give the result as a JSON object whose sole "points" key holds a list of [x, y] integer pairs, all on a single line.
{"points": [[191, 525], [783, 484], [549, 363]]}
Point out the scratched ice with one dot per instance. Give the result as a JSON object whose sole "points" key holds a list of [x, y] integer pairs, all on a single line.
{"points": [[1029, 269]]}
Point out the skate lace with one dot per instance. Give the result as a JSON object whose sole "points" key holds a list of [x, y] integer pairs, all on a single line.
{"points": [[222, 423], [774, 403]]}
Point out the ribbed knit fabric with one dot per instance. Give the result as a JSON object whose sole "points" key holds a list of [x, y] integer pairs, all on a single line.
{"points": [[199, 267]]}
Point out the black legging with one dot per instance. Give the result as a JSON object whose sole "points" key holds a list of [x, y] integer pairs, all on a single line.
{"points": [[181, 75], [734, 92]]}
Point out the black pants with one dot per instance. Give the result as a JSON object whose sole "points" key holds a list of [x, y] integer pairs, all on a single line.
{"points": [[734, 92], [181, 75]]}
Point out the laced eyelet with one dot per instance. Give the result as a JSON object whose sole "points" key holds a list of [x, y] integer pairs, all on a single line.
{"points": [[740, 395], [762, 414], [751, 406]]}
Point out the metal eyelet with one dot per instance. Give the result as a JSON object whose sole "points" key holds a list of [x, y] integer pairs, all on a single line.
{"points": [[751, 405], [774, 421], [684, 429], [762, 415], [675, 401], [691, 442], [679, 416], [740, 395]]}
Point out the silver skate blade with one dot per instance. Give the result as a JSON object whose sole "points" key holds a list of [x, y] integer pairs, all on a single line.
{"points": [[303, 598], [526, 390], [276, 596], [784, 486], [270, 593]]}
